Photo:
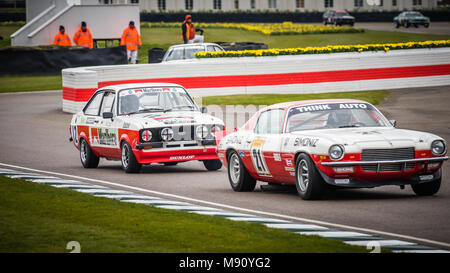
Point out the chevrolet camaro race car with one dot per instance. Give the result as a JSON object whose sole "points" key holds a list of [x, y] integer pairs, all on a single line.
{"points": [[323, 144], [143, 124]]}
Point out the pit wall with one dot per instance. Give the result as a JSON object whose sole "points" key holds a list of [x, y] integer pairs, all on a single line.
{"points": [[301, 74]]}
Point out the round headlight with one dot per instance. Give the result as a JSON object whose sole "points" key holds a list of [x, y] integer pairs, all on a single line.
{"points": [[438, 147], [166, 134], [215, 129], [146, 135], [336, 152], [201, 132]]}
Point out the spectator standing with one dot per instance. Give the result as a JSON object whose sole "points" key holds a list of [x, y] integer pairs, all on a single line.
{"points": [[132, 40], [83, 37], [62, 39], [188, 31]]}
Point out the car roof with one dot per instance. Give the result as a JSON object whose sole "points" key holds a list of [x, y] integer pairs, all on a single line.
{"points": [[310, 102], [140, 85], [196, 44]]}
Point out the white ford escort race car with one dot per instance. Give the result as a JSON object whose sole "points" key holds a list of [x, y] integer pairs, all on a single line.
{"points": [[321, 144], [143, 124]]}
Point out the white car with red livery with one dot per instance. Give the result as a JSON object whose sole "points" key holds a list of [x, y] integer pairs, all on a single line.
{"points": [[322, 144], [142, 124]]}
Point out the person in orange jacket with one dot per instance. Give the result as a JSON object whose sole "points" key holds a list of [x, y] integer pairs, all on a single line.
{"points": [[132, 40], [62, 39], [83, 37], [188, 31]]}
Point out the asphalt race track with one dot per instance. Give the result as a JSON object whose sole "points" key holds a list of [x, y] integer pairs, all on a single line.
{"points": [[35, 133]]}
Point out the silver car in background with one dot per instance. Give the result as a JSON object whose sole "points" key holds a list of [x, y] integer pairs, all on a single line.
{"points": [[187, 51]]}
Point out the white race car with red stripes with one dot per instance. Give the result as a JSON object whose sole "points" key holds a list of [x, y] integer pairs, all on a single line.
{"points": [[143, 124], [322, 144]]}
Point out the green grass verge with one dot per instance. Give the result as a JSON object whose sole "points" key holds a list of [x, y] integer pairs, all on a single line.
{"points": [[29, 83], [41, 218], [374, 97]]}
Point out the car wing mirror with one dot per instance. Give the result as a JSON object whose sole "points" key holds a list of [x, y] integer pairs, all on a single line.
{"points": [[393, 122], [204, 110], [107, 115]]}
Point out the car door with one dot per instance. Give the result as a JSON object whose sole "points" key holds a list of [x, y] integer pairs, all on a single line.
{"points": [[108, 128], [91, 120], [266, 144]]}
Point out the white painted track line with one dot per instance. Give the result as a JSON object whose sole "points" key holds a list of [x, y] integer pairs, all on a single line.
{"points": [[334, 234], [277, 215]]}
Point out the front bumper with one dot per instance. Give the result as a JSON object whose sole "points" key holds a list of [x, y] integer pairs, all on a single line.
{"points": [[161, 152], [356, 183], [352, 163]]}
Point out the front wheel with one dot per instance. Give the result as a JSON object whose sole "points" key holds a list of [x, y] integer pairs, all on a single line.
{"points": [[428, 188], [129, 162], [212, 165], [87, 156], [240, 179], [309, 183], [397, 24]]}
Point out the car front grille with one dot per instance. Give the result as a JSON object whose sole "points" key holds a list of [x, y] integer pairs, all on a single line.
{"points": [[388, 154], [391, 167]]}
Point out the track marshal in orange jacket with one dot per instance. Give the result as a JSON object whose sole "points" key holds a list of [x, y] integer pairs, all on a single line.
{"points": [[62, 39], [132, 40], [83, 37]]}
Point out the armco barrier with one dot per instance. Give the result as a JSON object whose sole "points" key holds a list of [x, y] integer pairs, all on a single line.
{"points": [[281, 74]]}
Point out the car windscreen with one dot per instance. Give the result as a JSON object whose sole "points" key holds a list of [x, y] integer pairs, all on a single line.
{"points": [[334, 115], [414, 14], [154, 99], [190, 51], [341, 14]]}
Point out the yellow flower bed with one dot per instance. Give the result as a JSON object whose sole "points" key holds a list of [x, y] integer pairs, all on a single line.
{"points": [[285, 28], [324, 49]]}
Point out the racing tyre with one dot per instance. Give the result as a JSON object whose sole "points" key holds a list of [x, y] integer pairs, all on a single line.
{"points": [[309, 183], [129, 162], [428, 188], [170, 163], [240, 179], [397, 24], [87, 156], [212, 165], [416, 25], [325, 22], [407, 25], [426, 25]]}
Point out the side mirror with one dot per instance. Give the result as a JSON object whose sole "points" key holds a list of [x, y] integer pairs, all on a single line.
{"points": [[393, 122], [204, 110], [107, 115]]}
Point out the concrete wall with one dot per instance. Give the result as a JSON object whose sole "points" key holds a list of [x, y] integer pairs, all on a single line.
{"points": [[280, 74], [104, 21]]}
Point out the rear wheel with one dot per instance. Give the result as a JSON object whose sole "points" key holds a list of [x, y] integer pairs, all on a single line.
{"points": [[240, 179], [428, 188], [309, 183], [397, 24], [87, 156], [212, 165], [129, 162]]}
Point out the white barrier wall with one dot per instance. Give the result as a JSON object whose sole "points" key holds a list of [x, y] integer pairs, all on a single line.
{"points": [[316, 73]]}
